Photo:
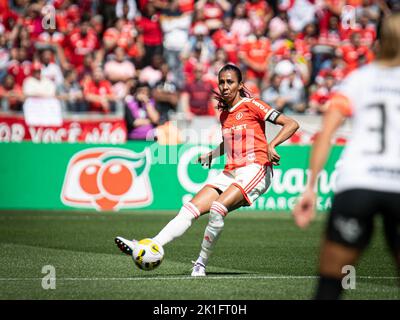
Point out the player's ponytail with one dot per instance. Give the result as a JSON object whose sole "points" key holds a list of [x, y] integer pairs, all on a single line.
{"points": [[244, 92]]}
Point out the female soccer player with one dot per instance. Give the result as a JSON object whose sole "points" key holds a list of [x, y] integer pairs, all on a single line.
{"points": [[248, 171], [369, 174]]}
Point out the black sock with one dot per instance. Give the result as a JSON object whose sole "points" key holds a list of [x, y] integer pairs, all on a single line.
{"points": [[329, 288]]}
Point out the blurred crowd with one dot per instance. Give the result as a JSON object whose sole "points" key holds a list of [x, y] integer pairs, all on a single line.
{"points": [[153, 58]]}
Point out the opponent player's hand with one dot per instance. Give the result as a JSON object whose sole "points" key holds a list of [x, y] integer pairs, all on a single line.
{"points": [[273, 156], [205, 160], [304, 210]]}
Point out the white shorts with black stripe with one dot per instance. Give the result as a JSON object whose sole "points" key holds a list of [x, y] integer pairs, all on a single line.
{"points": [[253, 180]]}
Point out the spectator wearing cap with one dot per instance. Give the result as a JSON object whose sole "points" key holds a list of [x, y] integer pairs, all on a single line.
{"points": [[38, 86], [11, 96], [291, 87]]}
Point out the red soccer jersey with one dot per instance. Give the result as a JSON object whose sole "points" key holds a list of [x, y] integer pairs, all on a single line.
{"points": [[243, 131], [355, 57], [20, 70], [151, 30], [79, 46], [102, 88], [229, 42]]}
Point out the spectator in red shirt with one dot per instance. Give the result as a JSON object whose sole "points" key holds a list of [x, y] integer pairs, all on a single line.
{"points": [[259, 12], [32, 21], [367, 30], [213, 11], [354, 54], [98, 93], [81, 42], [20, 67], [321, 94], [11, 96], [150, 28], [331, 36], [255, 54], [228, 40], [336, 69]]}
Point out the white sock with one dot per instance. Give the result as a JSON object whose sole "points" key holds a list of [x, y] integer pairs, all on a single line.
{"points": [[178, 226], [213, 231]]}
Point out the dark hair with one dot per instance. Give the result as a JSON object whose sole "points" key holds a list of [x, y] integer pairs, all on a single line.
{"points": [[143, 84], [244, 92]]}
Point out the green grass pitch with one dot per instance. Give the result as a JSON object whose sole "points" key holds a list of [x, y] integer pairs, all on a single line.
{"points": [[259, 256]]}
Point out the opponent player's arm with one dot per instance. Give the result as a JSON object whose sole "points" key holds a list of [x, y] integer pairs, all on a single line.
{"points": [[332, 120], [304, 210]]}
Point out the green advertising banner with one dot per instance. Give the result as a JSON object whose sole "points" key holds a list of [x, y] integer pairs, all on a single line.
{"points": [[136, 176]]}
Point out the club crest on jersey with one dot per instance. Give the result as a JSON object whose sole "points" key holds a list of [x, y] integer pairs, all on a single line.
{"points": [[108, 179], [239, 116]]}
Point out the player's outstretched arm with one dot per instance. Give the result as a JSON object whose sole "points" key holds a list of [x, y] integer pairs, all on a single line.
{"points": [[289, 127], [304, 211]]}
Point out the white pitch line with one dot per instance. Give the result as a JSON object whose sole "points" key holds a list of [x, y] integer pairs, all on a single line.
{"points": [[189, 278]]}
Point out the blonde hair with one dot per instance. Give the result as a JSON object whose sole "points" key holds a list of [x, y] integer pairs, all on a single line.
{"points": [[389, 43]]}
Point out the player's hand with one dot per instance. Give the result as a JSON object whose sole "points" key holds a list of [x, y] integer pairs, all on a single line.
{"points": [[304, 210], [205, 160], [273, 156]]}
